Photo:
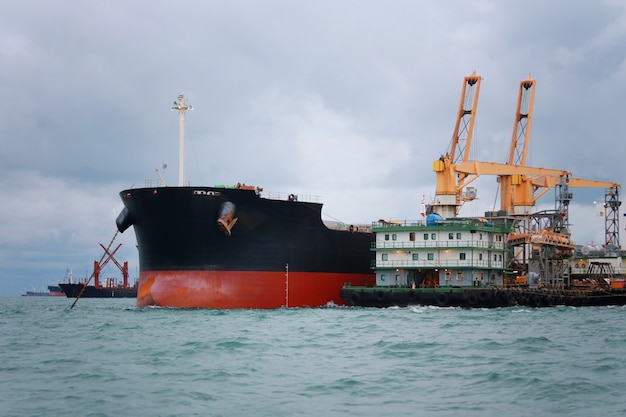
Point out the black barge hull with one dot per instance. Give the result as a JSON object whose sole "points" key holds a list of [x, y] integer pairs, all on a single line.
{"points": [[480, 297]]}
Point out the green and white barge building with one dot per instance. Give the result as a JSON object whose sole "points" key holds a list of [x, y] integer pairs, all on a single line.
{"points": [[463, 262]]}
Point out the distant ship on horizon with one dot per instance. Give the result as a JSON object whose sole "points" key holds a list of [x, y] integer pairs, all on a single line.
{"points": [[53, 291]]}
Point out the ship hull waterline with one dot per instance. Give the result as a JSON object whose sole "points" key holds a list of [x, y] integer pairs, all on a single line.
{"points": [[243, 289]]}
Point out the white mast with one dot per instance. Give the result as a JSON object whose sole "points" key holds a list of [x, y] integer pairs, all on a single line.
{"points": [[182, 106]]}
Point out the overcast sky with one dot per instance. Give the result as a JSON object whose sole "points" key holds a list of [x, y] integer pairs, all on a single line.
{"points": [[350, 101]]}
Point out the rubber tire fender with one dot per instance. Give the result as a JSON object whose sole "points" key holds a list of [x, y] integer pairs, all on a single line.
{"points": [[355, 298], [471, 299], [442, 299]]}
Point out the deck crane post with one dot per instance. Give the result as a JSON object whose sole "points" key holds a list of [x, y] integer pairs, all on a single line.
{"points": [[523, 122], [516, 192], [447, 195]]}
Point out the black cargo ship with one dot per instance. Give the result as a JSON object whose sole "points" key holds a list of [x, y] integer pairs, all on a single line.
{"points": [[90, 291], [230, 247]]}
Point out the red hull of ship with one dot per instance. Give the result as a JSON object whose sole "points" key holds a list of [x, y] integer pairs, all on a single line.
{"points": [[244, 289]]}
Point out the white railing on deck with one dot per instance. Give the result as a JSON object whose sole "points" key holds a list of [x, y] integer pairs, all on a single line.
{"points": [[480, 244], [438, 264], [398, 223]]}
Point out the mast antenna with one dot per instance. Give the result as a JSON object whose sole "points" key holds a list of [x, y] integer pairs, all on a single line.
{"points": [[182, 105]]}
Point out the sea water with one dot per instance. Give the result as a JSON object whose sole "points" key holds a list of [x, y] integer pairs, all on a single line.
{"points": [[109, 358]]}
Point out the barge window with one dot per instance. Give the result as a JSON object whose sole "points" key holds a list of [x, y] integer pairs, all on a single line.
{"points": [[416, 256], [462, 256], [433, 236], [480, 236], [458, 236], [460, 276], [387, 236], [431, 257], [448, 276], [412, 236], [480, 256], [394, 237], [425, 236], [450, 235], [385, 256]]}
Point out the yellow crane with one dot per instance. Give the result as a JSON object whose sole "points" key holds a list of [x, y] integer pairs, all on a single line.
{"points": [[454, 171], [521, 185]]}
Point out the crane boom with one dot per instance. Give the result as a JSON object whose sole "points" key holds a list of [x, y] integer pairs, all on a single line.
{"points": [[495, 168], [550, 181], [517, 175]]}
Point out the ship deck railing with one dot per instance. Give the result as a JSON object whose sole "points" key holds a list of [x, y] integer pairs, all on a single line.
{"points": [[307, 198], [456, 244], [442, 263], [457, 223]]}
